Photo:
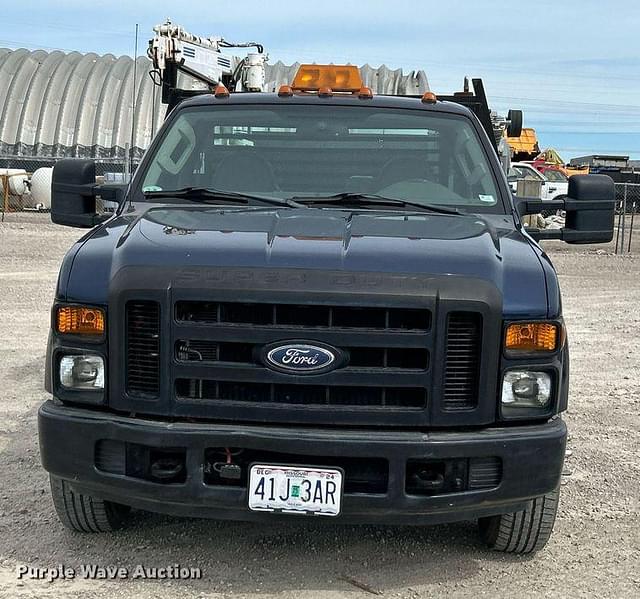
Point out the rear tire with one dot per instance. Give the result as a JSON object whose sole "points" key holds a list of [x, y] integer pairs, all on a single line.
{"points": [[522, 532], [85, 513]]}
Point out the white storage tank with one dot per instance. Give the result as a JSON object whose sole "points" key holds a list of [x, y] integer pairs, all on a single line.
{"points": [[41, 188]]}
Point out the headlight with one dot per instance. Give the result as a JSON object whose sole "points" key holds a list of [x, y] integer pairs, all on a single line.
{"points": [[525, 393], [82, 371]]}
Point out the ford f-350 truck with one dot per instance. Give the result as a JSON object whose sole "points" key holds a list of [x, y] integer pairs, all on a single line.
{"points": [[318, 302]]}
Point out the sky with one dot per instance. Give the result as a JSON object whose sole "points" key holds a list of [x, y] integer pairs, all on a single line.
{"points": [[572, 66]]}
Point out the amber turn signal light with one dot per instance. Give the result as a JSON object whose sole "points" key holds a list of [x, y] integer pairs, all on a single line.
{"points": [[80, 320], [533, 337]]}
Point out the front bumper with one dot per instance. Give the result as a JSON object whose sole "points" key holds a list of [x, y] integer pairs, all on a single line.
{"points": [[531, 457]]}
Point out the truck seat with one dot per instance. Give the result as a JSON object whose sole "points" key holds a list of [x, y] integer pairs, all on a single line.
{"points": [[401, 169], [244, 171]]}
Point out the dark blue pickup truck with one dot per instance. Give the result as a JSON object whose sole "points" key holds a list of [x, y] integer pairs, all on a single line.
{"points": [[319, 302]]}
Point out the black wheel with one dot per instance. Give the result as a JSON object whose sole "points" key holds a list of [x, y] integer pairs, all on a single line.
{"points": [[84, 513], [514, 129], [525, 531]]}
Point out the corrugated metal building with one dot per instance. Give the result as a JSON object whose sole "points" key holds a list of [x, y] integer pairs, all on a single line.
{"points": [[55, 104]]}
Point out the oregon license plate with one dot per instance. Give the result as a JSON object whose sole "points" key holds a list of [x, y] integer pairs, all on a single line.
{"points": [[295, 489]]}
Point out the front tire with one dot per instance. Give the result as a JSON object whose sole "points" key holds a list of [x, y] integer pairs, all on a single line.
{"points": [[526, 531], [85, 513]]}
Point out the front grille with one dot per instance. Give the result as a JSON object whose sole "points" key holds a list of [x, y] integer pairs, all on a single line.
{"points": [[462, 363], [218, 352], [307, 316], [143, 348], [203, 357], [273, 393]]}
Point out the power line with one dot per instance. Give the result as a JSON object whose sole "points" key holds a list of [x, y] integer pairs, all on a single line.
{"points": [[467, 66], [29, 46], [571, 102], [57, 26]]}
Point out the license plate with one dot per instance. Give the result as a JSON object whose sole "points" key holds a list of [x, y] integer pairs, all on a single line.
{"points": [[295, 489]]}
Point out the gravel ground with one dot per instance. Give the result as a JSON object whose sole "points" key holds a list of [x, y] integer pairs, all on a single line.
{"points": [[595, 550]]}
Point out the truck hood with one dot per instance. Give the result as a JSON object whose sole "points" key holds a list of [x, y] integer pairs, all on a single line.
{"points": [[487, 248]]}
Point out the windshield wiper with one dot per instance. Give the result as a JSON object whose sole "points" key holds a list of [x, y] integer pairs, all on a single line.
{"points": [[207, 194], [372, 199]]}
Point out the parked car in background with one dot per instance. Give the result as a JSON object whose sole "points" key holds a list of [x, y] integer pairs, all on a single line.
{"points": [[555, 183], [552, 172]]}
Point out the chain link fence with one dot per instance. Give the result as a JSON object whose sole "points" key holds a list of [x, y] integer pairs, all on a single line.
{"points": [[627, 208]]}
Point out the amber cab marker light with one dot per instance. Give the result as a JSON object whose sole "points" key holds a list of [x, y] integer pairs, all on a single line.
{"points": [[80, 320], [221, 91], [429, 98], [532, 337], [285, 91]]}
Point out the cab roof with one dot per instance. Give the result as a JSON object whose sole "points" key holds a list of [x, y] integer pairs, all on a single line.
{"points": [[377, 101]]}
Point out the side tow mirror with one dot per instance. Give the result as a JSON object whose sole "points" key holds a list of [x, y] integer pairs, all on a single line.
{"points": [[74, 193], [589, 207]]}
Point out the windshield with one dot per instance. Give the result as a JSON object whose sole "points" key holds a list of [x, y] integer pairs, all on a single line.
{"points": [[318, 151], [554, 175], [524, 172]]}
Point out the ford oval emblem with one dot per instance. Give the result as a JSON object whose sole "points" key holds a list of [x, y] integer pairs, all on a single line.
{"points": [[302, 358]]}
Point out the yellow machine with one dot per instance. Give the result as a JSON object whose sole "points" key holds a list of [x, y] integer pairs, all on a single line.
{"points": [[576, 170], [524, 147], [550, 156]]}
